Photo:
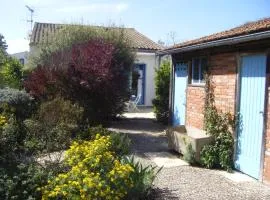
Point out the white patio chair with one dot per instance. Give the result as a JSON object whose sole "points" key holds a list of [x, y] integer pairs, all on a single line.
{"points": [[132, 106]]}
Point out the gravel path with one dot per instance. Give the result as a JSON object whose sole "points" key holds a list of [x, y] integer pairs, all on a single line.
{"points": [[185, 182]]}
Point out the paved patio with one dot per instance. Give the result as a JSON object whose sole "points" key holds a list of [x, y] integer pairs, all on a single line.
{"points": [[178, 180]]}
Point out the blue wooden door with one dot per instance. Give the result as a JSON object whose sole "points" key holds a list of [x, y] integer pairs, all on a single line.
{"points": [[251, 114], [180, 85]]}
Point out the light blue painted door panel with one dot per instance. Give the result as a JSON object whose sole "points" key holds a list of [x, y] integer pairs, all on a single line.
{"points": [[250, 128], [180, 85]]}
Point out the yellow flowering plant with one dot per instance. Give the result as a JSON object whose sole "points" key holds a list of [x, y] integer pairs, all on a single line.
{"points": [[3, 121], [95, 173]]}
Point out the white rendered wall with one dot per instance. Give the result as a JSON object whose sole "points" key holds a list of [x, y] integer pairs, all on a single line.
{"points": [[149, 59], [21, 55]]}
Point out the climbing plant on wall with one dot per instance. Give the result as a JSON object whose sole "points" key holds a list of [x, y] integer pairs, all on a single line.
{"points": [[220, 126]]}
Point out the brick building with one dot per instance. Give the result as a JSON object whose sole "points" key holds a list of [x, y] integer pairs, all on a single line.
{"points": [[238, 61]]}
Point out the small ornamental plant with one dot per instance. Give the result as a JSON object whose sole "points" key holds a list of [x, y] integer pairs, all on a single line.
{"points": [[95, 173]]}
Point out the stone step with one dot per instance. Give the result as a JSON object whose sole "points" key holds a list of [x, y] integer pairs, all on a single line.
{"points": [[180, 137]]}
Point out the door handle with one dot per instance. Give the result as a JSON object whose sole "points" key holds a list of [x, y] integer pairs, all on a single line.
{"points": [[261, 112]]}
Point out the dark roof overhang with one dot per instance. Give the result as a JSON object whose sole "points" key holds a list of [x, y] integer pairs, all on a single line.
{"points": [[216, 43]]}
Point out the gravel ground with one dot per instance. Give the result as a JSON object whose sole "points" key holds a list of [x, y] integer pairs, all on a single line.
{"points": [[184, 182]]}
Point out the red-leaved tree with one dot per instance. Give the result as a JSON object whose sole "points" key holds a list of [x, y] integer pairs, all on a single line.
{"points": [[93, 74]]}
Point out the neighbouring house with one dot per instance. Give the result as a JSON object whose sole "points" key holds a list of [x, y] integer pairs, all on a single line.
{"points": [[239, 63], [21, 56], [142, 77]]}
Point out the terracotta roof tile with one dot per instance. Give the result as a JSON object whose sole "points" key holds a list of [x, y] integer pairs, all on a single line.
{"points": [[245, 29], [43, 31]]}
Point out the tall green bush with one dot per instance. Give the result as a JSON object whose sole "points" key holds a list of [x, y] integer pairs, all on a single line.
{"points": [[12, 137], [86, 65], [15, 106], [53, 126], [162, 85], [11, 73]]}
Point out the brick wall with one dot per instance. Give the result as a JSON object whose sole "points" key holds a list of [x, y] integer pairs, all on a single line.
{"points": [[223, 70], [266, 171], [195, 106]]}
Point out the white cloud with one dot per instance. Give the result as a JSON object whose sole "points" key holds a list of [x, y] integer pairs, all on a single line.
{"points": [[96, 7], [17, 45]]}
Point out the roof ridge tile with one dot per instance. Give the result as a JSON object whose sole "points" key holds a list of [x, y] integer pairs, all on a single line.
{"points": [[244, 29]]}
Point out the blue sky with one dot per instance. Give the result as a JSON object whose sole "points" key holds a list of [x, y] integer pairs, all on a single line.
{"points": [[186, 19]]}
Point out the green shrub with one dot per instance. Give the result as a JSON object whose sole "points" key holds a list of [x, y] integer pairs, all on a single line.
{"points": [[143, 178], [53, 126], [209, 156], [16, 103], [189, 156], [220, 153], [23, 183], [11, 73], [20, 176], [221, 127], [162, 85], [120, 143], [225, 144], [12, 137]]}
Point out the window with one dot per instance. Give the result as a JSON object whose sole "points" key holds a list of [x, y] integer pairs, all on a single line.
{"points": [[21, 61], [198, 70]]}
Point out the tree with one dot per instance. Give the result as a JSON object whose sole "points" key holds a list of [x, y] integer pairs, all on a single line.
{"points": [[172, 37], [3, 49], [10, 69], [160, 42], [3, 44], [11, 73], [87, 66], [162, 84]]}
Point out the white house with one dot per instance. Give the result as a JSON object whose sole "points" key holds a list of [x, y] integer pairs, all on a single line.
{"points": [[21, 56], [142, 78]]}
